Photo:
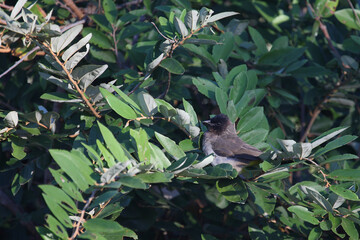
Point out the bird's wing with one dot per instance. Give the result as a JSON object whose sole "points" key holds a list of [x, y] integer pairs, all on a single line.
{"points": [[233, 146]]}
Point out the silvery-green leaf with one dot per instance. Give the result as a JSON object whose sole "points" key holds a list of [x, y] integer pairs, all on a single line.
{"points": [[204, 15], [151, 66], [147, 103], [58, 82], [33, 116], [287, 145], [113, 172], [180, 27], [93, 92], [59, 43], [48, 16], [201, 41], [76, 58], [49, 119], [302, 150], [74, 48], [332, 133], [11, 119], [206, 161], [194, 131], [236, 26], [223, 70], [191, 19], [51, 70], [87, 74], [182, 117], [317, 197], [17, 8], [222, 15], [165, 46], [4, 16]]}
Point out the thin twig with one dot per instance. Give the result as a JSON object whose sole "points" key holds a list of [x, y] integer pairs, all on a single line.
{"points": [[167, 88], [10, 8], [76, 232], [174, 46], [128, 4], [319, 169], [20, 61], [353, 9], [74, 83]]}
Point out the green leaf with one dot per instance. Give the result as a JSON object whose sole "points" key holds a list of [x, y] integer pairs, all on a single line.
{"points": [[132, 182], [110, 10], [346, 16], [60, 97], [190, 110], [75, 165], [18, 147], [170, 146], [66, 185], [104, 226], [337, 158], [341, 141], [264, 201], [259, 41], [225, 48], [98, 38], [304, 214], [345, 175], [221, 99], [157, 157], [239, 86], [205, 87], [157, 177], [118, 105], [147, 103], [345, 193], [350, 228], [315, 234], [57, 228], [111, 142], [109, 158], [316, 197], [173, 66], [250, 120], [103, 55], [233, 190]]}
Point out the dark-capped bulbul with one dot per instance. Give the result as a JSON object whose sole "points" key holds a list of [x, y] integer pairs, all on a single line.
{"points": [[222, 141]]}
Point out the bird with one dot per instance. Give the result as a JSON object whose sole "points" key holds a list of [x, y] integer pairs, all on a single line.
{"points": [[221, 140]]}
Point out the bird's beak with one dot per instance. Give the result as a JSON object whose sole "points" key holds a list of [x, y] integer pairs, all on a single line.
{"points": [[207, 122]]}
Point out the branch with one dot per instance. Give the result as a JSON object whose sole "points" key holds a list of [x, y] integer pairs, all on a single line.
{"points": [[76, 232], [19, 61], [319, 169], [74, 83], [74, 8], [18, 212]]}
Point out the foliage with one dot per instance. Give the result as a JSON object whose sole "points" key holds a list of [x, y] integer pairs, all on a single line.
{"points": [[101, 137]]}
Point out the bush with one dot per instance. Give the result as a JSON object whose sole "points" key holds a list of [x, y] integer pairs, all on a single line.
{"points": [[101, 133]]}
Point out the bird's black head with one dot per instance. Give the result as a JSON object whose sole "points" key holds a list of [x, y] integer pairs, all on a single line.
{"points": [[220, 124]]}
